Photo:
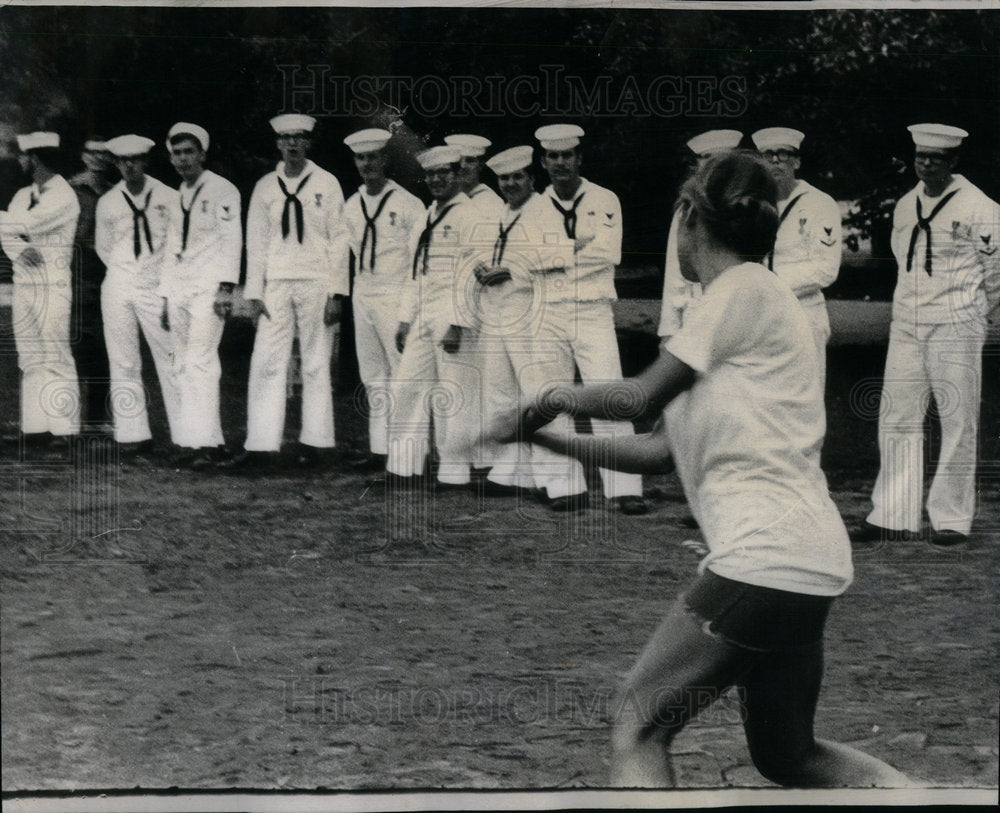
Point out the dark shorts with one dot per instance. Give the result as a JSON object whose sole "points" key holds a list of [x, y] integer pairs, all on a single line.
{"points": [[761, 619]]}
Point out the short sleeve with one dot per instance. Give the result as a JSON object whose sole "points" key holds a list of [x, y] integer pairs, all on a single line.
{"points": [[721, 323]]}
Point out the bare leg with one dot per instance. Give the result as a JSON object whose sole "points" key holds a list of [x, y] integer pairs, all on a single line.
{"points": [[781, 694], [681, 671]]}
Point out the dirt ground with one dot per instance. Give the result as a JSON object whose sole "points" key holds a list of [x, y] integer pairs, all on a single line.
{"points": [[165, 628]]}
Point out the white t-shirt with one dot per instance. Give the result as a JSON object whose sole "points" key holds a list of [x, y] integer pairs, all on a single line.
{"points": [[746, 437]]}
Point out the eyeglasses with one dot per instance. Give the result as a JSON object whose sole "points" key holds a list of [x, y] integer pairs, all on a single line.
{"points": [[783, 156], [293, 137], [933, 158]]}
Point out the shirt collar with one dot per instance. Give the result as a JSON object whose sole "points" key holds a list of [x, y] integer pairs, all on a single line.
{"points": [[800, 187], [309, 167], [389, 184], [461, 197], [957, 182], [584, 184], [514, 212], [146, 186]]}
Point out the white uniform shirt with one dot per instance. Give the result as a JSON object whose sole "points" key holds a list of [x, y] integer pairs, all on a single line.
{"points": [[808, 245], [322, 254], [487, 200], [114, 233], [678, 293], [214, 237], [43, 218], [746, 437], [598, 215], [393, 227], [442, 290], [964, 282], [528, 251], [490, 208]]}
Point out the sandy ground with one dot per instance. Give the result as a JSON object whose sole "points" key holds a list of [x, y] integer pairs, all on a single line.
{"points": [[166, 628]]}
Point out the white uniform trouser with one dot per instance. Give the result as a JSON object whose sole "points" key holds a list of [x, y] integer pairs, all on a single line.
{"points": [[294, 305], [580, 333], [375, 324], [819, 321], [197, 332], [126, 311], [924, 360], [506, 348], [50, 390], [431, 383]]}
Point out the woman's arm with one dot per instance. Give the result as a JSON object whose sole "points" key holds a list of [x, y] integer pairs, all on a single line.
{"points": [[645, 394], [635, 454]]}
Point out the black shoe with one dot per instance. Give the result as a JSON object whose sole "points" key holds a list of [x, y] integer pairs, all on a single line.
{"points": [[182, 457], [631, 504], [36, 440], [58, 447], [248, 462], [947, 538], [143, 449], [209, 457], [540, 495], [571, 502], [399, 483], [868, 533], [488, 488], [370, 462], [689, 522], [445, 488], [313, 457]]}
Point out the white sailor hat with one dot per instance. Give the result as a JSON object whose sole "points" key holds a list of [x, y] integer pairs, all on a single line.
{"points": [[937, 136], [369, 140], [293, 123], [95, 145], [715, 141], [186, 128], [559, 136], [471, 146], [125, 146], [439, 157], [37, 141], [503, 163], [776, 137]]}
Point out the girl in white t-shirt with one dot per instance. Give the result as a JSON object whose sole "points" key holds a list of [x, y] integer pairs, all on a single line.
{"points": [[743, 420]]}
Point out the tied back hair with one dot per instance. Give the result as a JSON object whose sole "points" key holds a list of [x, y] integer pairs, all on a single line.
{"points": [[736, 198]]}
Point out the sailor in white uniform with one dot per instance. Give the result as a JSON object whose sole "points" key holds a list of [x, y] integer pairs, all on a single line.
{"points": [[579, 327], [381, 217], [297, 277], [678, 292], [944, 238], [37, 232], [438, 374], [522, 259], [130, 236], [201, 267], [808, 246], [473, 148]]}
